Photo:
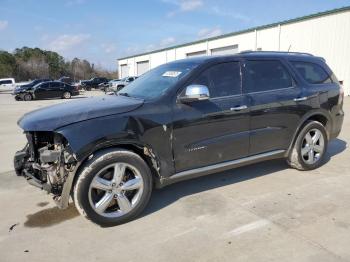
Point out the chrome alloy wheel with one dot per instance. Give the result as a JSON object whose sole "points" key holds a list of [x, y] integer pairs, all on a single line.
{"points": [[312, 147], [116, 190]]}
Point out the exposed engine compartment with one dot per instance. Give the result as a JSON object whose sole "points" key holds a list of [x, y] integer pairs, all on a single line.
{"points": [[46, 162]]}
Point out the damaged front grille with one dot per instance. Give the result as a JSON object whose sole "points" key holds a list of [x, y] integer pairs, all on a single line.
{"points": [[45, 161]]}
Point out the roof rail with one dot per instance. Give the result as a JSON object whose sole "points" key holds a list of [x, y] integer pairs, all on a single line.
{"points": [[276, 52]]}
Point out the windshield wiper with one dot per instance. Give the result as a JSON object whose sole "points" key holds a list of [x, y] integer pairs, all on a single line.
{"points": [[124, 94]]}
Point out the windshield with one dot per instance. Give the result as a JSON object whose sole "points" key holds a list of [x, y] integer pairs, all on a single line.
{"points": [[157, 81], [34, 82]]}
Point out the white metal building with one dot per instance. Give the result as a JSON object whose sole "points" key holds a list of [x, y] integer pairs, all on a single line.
{"points": [[325, 34]]}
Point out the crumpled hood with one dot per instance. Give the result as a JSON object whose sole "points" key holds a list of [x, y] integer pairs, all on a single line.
{"points": [[56, 116]]}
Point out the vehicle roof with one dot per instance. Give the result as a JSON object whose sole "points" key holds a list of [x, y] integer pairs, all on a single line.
{"points": [[6, 79], [253, 54], [51, 81]]}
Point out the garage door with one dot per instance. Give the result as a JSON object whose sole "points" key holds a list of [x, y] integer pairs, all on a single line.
{"points": [[124, 71], [199, 53], [142, 67], [227, 50]]}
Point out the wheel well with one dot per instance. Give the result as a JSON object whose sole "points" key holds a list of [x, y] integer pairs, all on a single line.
{"points": [[323, 120], [139, 150], [319, 118]]}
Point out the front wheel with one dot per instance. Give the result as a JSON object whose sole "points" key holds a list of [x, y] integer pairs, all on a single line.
{"points": [[66, 95], [120, 87], [310, 147], [27, 97], [113, 187]]}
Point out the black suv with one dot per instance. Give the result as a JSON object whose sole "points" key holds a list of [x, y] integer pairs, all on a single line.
{"points": [[93, 83], [181, 120]]}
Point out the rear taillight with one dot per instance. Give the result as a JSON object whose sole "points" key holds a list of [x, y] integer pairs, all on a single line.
{"points": [[341, 94]]}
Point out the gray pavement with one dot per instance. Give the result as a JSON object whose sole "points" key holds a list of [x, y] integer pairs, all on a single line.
{"points": [[263, 212]]}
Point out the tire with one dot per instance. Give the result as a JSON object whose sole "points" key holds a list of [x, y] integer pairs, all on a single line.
{"points": [[66, 95], [88, 195], [120, 87], [27, 97], [306, 154]]}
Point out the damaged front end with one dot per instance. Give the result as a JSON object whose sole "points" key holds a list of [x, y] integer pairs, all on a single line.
{"points": [[48, 163]]}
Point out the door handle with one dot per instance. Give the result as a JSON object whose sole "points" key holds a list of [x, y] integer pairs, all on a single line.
{"points": [[238, 108], [300, 99]]}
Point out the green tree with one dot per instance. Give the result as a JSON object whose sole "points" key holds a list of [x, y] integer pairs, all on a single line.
{"points": [[29, 63], [7, 64]]}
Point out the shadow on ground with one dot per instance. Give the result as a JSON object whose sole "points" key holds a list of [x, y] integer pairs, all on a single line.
{"points": [[51, 216], [164, 197]]}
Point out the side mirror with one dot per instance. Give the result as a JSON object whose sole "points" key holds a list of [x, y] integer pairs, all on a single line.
{"points": [[195, 93]]}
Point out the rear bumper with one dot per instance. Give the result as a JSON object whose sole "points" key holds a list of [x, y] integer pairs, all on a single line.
{"points": [[337, 124]]}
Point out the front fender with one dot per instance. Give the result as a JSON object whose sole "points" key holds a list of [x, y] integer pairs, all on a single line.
{"points": [[89, 136]]}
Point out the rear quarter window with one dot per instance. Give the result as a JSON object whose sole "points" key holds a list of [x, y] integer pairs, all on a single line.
{"points": [[312, 73]]}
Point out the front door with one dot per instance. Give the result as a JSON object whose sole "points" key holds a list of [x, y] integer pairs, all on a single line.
{"points": [[215, 130], [42, 91]]}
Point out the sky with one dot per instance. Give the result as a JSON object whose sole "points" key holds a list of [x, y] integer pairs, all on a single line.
{"points": [[102, 31]]}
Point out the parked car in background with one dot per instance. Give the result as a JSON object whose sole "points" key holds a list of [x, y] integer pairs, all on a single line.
{"points": [[215, 114], [93, 82], [51, 89], [104, 86], [7, 84], [22, 88], [66, 79], [118, 84], [77, 85]]}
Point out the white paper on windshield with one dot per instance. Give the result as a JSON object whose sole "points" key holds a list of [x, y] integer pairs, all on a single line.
{"points": [[172, 73]]}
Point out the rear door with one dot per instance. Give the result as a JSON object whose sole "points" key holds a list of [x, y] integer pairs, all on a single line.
{"points": [[274, 111], [215, 130], [56, 89]]}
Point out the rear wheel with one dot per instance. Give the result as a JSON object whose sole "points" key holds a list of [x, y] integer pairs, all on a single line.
{"points": [[113, 188], [27, 97], [310, 147], [67, 95]]}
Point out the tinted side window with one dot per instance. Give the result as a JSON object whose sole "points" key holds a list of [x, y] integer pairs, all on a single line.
{"points": [[45, 85], [266, 75], [221, 79], [54, 85], [5, 82], [312, 73]]}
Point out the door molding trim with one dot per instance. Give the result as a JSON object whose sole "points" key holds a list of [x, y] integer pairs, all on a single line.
{"points": [[202, 171]]}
